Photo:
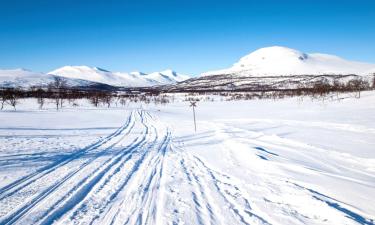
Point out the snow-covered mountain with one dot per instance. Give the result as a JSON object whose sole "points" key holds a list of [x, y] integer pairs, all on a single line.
{"points": [[25, 79], [276, 60], [166, 76], [279, 68], [84, 76], [119, 79]]}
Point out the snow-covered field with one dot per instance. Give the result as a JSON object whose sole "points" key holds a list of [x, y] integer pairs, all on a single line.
{"points": [[288, 161]]}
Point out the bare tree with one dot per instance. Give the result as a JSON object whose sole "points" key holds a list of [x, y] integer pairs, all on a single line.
{"points": [[3, 99], [58, 87], [95, 99], [41, 102], [123, 101], [10, 96], [13, 101], [40, 96], [106, 99]]}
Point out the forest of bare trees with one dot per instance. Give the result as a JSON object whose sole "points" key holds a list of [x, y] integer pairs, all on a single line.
{"points": [[58, 93]]}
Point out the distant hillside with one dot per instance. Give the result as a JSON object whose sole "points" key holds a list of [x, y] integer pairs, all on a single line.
{"points": [[119, 79], [25, 79], [282, 61]]}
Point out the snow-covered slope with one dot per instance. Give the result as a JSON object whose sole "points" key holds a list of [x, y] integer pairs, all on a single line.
{"points": [[276, 60], [279, 162], [87, 76], [86, 73], [24, 78], [119, 79], [166, 76]]}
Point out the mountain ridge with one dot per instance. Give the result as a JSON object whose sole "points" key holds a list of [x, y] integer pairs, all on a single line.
{"points": [[87, 76], [25, 78], [119, 79]]}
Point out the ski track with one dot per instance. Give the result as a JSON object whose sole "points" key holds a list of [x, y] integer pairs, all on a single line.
{"points": [[135, 175], [138, 204], [210, 186], [35, 180], [84, 186], [24, 181]]}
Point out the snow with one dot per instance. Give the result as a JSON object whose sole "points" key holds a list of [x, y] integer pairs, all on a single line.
{"points": [[17, 77], [290, 161], [25, 79], [86, 73], [120, 79], [84, 76], [277, 60], [166, 76]]}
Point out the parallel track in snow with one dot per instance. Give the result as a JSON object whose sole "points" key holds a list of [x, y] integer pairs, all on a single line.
{"points": [[121, 180], [118, 180], [26, 180], [139, 175], [49, 193]]}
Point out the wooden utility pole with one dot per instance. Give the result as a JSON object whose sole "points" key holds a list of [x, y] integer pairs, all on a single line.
{"points": [[194, 104]]}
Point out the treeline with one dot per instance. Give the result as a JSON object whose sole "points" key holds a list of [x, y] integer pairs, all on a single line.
{"points": [[310, 83], [58, 93], [61, 98], [323, 87], [316, 90]]}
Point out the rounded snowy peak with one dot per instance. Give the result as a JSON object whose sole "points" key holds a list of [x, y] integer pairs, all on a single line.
{"points": [[279, 61], [271, 54], [93, 74]]}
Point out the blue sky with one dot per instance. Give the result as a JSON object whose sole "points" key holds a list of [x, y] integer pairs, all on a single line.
{"points": [[188, 36]]}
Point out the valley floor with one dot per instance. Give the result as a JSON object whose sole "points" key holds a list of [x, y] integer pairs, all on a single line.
{"points": [[288, 161]]}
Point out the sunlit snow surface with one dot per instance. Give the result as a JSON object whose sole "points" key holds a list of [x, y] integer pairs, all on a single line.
{"points": [[84, 76], [288, 161], [278, 60], [120, 79]]}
